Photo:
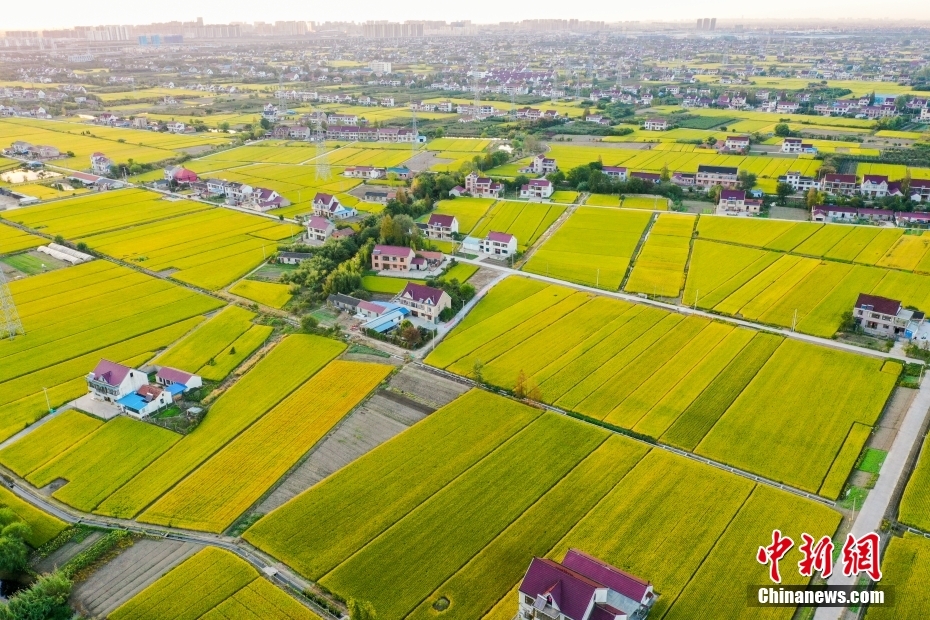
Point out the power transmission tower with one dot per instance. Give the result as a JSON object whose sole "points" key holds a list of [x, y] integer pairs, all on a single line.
{"points": [[321, 161], [10, 325]]}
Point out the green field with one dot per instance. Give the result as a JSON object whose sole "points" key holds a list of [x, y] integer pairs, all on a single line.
{"points": [[593, 493], [703, 386], [468, 211], [593, 246], [525, 220]]}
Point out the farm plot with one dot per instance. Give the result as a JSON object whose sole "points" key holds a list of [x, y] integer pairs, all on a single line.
{"points": [[207, 246], [15, 240], [660, 265], [67, 334], [42, 526], [464, 145], [915, 503], [494, 536], [212, 584], [103, 461], [205, 343], [226, 485], [266, 293], [686, 381], [525, 220], [468, 211], [905, 567], [594, 246], [285, 368]]}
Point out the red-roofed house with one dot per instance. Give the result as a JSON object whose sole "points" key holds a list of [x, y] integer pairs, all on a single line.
{"points": [[180, 175], [540, 165], [874, 186], [536, 188], [881, 316], [840, 184], [483, 187], [499, 244], [110, 381], [172, 376], [319, 228], [582, 588], [392, 258], [327, 205], [441, 226], [615, 172], [100, 164], [736, 143], [425, 302], [917, 218], [734, 202]]}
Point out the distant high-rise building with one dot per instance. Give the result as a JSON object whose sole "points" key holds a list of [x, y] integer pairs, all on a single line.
{"points": [[713, 23], [700, 23], [706, 23], [379, 66]]}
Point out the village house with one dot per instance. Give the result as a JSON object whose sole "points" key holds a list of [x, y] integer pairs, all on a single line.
{"points": [[833, 213], [648, 177], [364, 172], [684, 179], [540, 165], [177, 381], [145, 401], [100, 164], [615, 173], [181, 176], [840, 184], [319, 228], [874, 186], [919, 190], [482, 187], [110, 381], [737, 143], [791, 145], [724, 176], [328, 206], [880, 316], [263, 199], [798, 182], [442, 227], [176, 127], [424, 302], [582, 587], [392, 258], [293, 258], [536, 188], [734, 202], [498, 244], [655, 124]]}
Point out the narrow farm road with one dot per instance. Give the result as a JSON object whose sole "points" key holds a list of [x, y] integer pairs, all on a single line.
{"points": [[890, 478], [692, 311]]}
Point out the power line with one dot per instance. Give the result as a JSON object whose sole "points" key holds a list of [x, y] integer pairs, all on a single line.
{"points": [[10, 324]]}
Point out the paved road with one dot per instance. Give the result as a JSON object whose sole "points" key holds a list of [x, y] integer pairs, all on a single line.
{"points": [[876, 504], [692, 311]]}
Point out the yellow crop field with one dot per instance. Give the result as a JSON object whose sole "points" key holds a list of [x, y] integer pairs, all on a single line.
{"points": [[222, 488], [525, 220], [660, 266], [603, 200], [265, 293], [15, 240], [468, 211], [203, 344], [202, 245], [905, 567], [103, 461], [48, 441], [907, 253], [286, 367], [43, 526]]}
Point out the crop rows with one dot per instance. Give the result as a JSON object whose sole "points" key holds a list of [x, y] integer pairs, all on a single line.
{"points": [[468, 211], [694, 383], [266, 293], [227, 484], [594, 246], [906, 568], [206, 342], [49, 440], [660, 265], [915, 503], [597, 494], [14, 240], [289, 365], [846, 459], [525, 220], [234, 354]]}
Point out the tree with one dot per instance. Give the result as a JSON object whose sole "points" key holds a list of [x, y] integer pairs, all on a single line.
{"points": [[814, 198], [714, 193], [519, 388], [782, 130], [265, 124], [361, 610], [309, 323], [411, 334], [747, 180], [783, 190], [47, 599], [665, 176], [711, 140], [14, 555], [477, 371]]}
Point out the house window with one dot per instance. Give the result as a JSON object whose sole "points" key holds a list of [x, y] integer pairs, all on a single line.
{"points": [[529, 600]]}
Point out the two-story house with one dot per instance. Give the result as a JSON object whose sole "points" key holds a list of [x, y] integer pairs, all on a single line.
{"points": [[880, 316], [536, 188], [110, 381], [392, 258], [709, 176], [328, 206], [441, 226], [424, 302], [498, 244]]}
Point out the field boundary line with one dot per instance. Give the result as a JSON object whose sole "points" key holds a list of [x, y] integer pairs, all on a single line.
{"points": [[643, 238], [683, 453]]}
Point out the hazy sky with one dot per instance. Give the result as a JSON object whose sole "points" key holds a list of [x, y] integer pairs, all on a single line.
{"points": [[66, 13]]}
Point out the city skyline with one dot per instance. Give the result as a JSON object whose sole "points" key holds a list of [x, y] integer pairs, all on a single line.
{"points": [[60, 14]]}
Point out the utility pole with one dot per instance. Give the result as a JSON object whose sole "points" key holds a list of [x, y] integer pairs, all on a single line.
{"points": [[47, 402], [794, 321]]}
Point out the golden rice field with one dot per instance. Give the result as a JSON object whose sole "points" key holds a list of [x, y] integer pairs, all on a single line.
{"points": [[265, 293], [267, 383], [659, 269], [14, 240], [593, 246], [213, 584], [67, 333], [225, 486], [468, 211], [119, 144], [525, 220], [700, 385], [423, 526], [42, 526], [915, 506], [218, 345], [197, 244], [905, 567]]}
